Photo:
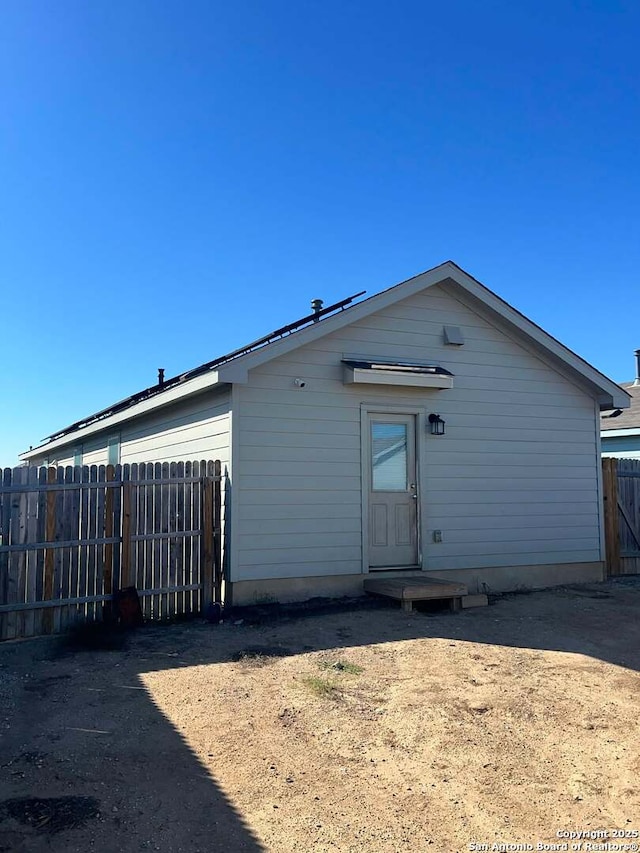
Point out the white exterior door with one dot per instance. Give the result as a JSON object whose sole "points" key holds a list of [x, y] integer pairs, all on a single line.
{"points": [[393, 495]]}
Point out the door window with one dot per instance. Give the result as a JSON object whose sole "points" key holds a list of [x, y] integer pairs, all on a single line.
{"points": [[388, 457]]}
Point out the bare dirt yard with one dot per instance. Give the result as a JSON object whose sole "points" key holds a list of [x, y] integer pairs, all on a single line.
{"points": [[363, 730]]}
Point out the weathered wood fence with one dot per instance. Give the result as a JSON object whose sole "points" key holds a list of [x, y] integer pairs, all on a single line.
{"points": [[70, 537], [621, 491]]}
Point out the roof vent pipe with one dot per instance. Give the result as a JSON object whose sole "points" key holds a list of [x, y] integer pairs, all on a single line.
{"points": [[316, 307], [161, 376], [636, 381]]}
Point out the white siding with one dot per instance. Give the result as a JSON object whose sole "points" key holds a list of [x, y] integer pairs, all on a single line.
{"points": [[196, 428], [513, 482]]}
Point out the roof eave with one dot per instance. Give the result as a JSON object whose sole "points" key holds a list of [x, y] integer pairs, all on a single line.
{"points": [[193, 386], [610, 394], [617, 400]]}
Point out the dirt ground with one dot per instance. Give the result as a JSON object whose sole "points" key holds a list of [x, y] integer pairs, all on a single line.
{"points": [[368, 730]]}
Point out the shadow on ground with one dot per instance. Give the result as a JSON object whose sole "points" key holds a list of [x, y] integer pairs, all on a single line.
{"points": [[89, 762]]}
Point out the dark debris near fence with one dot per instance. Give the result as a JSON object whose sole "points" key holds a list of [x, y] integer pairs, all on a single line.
{"points": [[51, 814]]}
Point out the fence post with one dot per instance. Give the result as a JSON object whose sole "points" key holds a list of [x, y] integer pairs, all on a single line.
{"points": [[217, 530], [49, 555], [207, 543], [611, 519]]}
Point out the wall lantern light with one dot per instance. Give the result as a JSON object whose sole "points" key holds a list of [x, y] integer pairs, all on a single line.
{"points": [[436, 425]]}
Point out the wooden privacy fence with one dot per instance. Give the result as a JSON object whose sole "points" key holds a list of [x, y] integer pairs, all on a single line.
{"points": [[621, 491], [70, 537]]}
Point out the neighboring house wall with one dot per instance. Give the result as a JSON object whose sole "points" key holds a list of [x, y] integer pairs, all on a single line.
{"points": [[513, 482], [622, 446], [196, 428]]}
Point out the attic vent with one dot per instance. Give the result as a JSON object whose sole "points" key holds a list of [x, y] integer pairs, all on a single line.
{"points": [[453, 336]]}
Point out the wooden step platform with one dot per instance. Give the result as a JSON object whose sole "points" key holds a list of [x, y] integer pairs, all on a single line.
{"points": [[410, 589]]}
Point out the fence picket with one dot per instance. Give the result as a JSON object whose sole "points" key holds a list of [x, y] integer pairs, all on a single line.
{"points": [[206, 523], [64, 589], [74, 533], [107, 576], [196, 567], [172, 542], [133, 524], [148, 545], [180, 543], [83, 568], [59, 553], [15, 573], [216, 522], [187, 489], [92, 526], [164, 541], [117, 528], [125, 568], [157, 525], [49, 554], [32, 557], [141, 490], [41, 532], [5, 515]]}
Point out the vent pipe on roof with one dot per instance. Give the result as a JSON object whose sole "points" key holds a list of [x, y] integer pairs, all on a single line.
{"points": [[316, 307], [161, 376]]}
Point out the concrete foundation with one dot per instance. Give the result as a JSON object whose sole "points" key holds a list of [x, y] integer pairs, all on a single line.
{"points": [[477, 581], [477, 600]]}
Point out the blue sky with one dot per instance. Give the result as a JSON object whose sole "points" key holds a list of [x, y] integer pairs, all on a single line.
{"points": [[178, 178]]}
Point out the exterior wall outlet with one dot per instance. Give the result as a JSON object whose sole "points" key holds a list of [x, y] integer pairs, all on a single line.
{"points": [[437, 535]]}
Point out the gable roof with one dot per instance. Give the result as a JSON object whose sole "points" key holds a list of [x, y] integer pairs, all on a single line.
{"points": [[235, 366], [629, 419]]}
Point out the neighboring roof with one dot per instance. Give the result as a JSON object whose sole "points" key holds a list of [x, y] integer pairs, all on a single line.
{"points": [[235, 366], [628, 419]]}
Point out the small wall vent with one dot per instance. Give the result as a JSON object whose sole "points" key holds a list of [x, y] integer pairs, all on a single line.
{"points": [[453, 336]]}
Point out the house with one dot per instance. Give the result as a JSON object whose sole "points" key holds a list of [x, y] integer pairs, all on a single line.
{"points": [[429, 428], [620, 429]]}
